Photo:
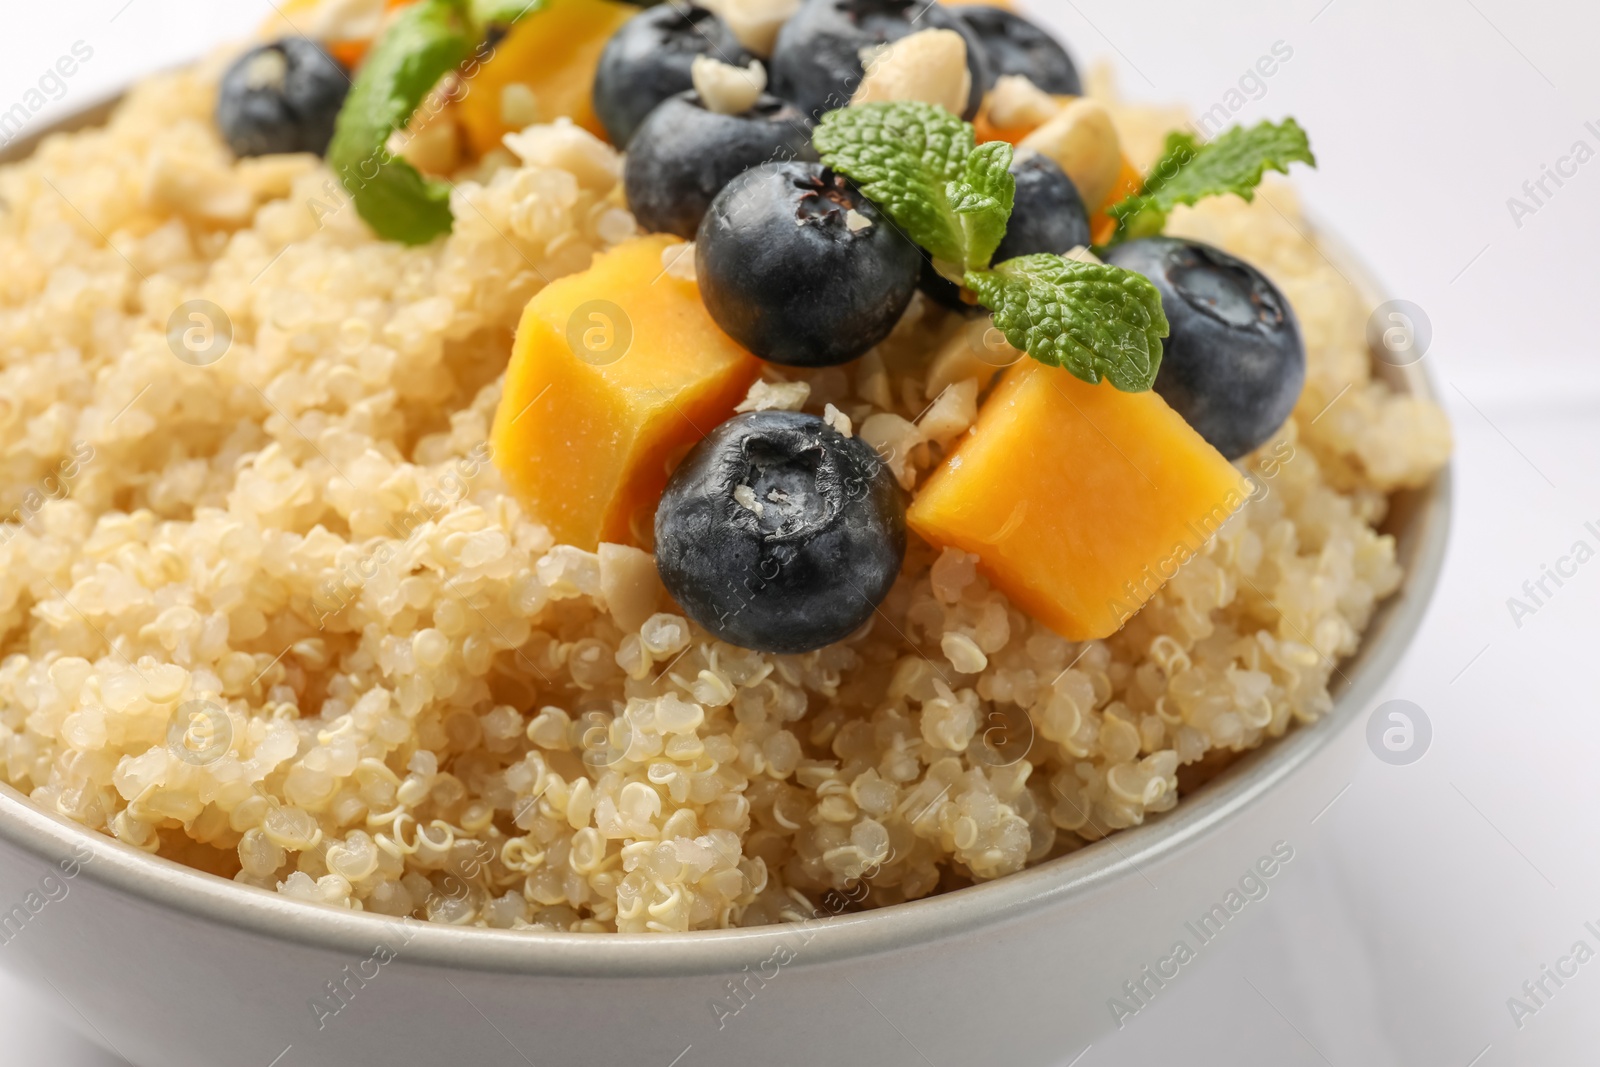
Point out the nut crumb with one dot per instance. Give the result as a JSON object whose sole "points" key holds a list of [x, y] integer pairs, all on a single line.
{"points": [[775, 396], [726, 89], [746, 498], [678, 261]]}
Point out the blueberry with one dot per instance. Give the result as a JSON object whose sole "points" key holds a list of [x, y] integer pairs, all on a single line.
{"points": [[281, 97], [1234, 364], [648, 60], [683, 155], [800, 268], [778, 533], [1049, 216], [817, 63], [1017, 46]]}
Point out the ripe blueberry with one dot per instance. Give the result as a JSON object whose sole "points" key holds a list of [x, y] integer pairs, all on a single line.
{"points": [[817, 61], [281, 97], [777, 533], [800, 268], [1234, 364], [648, 60], [1017, 46], [683, 155]]}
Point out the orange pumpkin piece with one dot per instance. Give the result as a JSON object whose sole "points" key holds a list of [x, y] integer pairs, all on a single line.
{"points": [[553, 53], [615, 373], [1079, 501]]}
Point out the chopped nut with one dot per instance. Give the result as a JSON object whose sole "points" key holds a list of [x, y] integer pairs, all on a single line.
{"points": [[929, 66], [949, 416], [571, 148], [629, 584], [775, 396], [519, 107], [745, 497], [726, 89], [895, 439], [978, 352], [341, 20], [838, 420], [433, 149], [190, 187], [1016, 103], [755, 23], [856, 221], [678, 261], [1082, 138]]}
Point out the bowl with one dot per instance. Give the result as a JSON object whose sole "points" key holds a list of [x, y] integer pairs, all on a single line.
{"points": [[168, 967]]}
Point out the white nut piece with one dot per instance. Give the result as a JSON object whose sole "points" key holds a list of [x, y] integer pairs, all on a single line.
{"points": [[754, 23], [726, 89], [563, 145], [344, 20], [199, 189], [629, 585], [1083, 140], [679, 261], [951, 413], [1016, 103], [775, 396], [519, 106], [929, 66], [838, 420]]}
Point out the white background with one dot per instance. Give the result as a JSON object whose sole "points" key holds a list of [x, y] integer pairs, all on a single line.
{"points": [[1429, 893]]}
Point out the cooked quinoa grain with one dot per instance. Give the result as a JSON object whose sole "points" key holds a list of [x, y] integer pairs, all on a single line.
{"points": [[277, 618]]}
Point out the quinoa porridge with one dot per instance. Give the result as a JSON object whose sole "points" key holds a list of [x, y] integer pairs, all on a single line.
{"points": [[279, 617]]}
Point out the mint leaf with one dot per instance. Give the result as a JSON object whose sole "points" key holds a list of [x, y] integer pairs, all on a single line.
{"points": [[1096, 320], [1188, 172], [983, 197], [912, 160], [425, 41]]}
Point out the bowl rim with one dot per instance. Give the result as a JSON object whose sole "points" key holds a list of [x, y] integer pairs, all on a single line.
{"points": [[168, 885]]}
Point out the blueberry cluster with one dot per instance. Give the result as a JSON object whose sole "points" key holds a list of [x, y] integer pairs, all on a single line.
{"points": [[793, 263], [778, 532]]}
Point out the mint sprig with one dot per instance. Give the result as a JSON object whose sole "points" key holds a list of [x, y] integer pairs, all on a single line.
{"points": [[917, 162], [1189, 172], [425, 41], [983, 198], [1096, 320], [922, 166]]}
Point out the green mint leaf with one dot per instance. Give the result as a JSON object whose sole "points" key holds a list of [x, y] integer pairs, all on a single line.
{"points": [[904, 156], [983, 197], [1096, 320], [1188, 172], [425, 41]]}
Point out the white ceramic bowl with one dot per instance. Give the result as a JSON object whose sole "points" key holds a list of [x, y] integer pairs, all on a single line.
{"points": [[172, 968]]}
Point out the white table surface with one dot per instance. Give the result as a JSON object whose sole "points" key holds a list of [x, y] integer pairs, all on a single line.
{"points": [[1428, 894]]}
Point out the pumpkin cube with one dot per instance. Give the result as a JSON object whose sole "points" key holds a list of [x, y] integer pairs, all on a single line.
{"points": [[547, 62], [615, 374], [1079, 501]]}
